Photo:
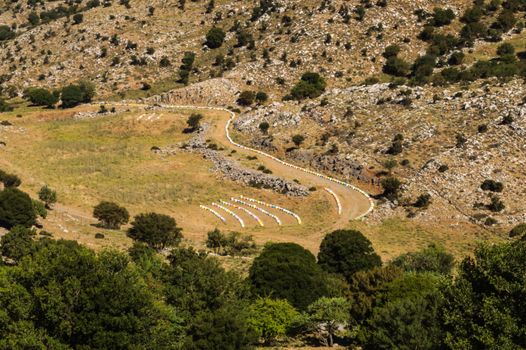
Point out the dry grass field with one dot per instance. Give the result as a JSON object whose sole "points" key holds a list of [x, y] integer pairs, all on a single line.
{"points": [[110, 158]]}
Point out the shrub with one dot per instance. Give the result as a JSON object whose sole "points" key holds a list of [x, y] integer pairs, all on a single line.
{"points": [[215, 38], [496, 205], [288, 271], [246, 98], [17, 243], [397, 67], [6, 33], [442, 17], [4, 106], [16, 208], [111, 215], [431, 259], [194, 121], [391, 186], [187, 64], [42, 97], [423, 201], [78, 18], [298, 139], [156, 230], [48, 196], [271, 318], [345, 252], [491, 185], [505, 49], [264, 126], [391, 51], [261, 97], [311, 85], [9, 180], [519, 230]]}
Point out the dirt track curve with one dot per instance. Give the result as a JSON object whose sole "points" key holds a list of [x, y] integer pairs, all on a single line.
{"points": [[355, 203]]}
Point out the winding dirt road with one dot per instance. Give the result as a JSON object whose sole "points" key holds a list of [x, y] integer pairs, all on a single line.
{"points": [[355, 203]]}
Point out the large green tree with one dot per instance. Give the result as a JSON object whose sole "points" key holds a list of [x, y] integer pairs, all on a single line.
{"points": [[111, 215], [346, 252], [64, 296], [156, 230], [271, 318], [288, 271], [486, 304], [16, 208]]}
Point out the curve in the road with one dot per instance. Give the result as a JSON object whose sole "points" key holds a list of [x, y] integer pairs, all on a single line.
{"points": [[234, 143]]}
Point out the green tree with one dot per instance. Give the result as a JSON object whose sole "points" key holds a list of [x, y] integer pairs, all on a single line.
{"points": [[6, 33], [486, 306], [288, 271], [261, 97], [264, 126], [111, 215], [16, 208], [156, 230], [246, 98], [271, 319], [346, 252], [216, 240], [48, 196], [71, 96], [391, 187], [17, 243], [328, 315], [9, 180], [42, 97], [298, 139], [518, 230], [194, 121], [215, 38], [311, 85], [210, 300], [431, 259], [71, 296]]}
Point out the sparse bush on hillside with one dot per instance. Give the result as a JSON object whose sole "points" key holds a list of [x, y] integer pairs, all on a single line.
{"points": [[391, 186], [215, 38], [246, 98], [186, 67], [4, 106], [111, 215], [311, 85], [156, 230], [518, 231], [9, 180], [42, 97], [194, 121], [78, 18], [491, 185], [442, 17], [6, 33], [48, 196]]}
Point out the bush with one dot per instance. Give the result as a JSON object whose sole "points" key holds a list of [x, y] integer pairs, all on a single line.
{"points": [[442, 17], [75, 94], [264, 126], [111, 215], [4, 106], [215, 38], [48, 196], [345, 252], [246, 98], [391, 51], [288, 271], [186, 66], [78, 18], [519, 230], [397, 67], [42, 97], [423, 201], [9, 180], [391, 186], [505, 49], [16, 208], [261, 97], [6, 33], [298, 139], [431, 259], [491, 185], [156, 230], [17, 243], [311, 85], [194, 121], [271, 319]]}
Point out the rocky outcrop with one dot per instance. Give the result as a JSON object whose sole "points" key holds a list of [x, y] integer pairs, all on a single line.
{"points": [[233, 170]]}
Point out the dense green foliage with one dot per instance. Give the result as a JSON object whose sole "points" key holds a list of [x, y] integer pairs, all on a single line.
{"points": [[215, 38], [111, 215], [431, 259], [271, 318], [288, 271], [346, 252], [486, 303], [75, 94], [311, 85], [16, 208], [42, 97], [156, 230]]}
